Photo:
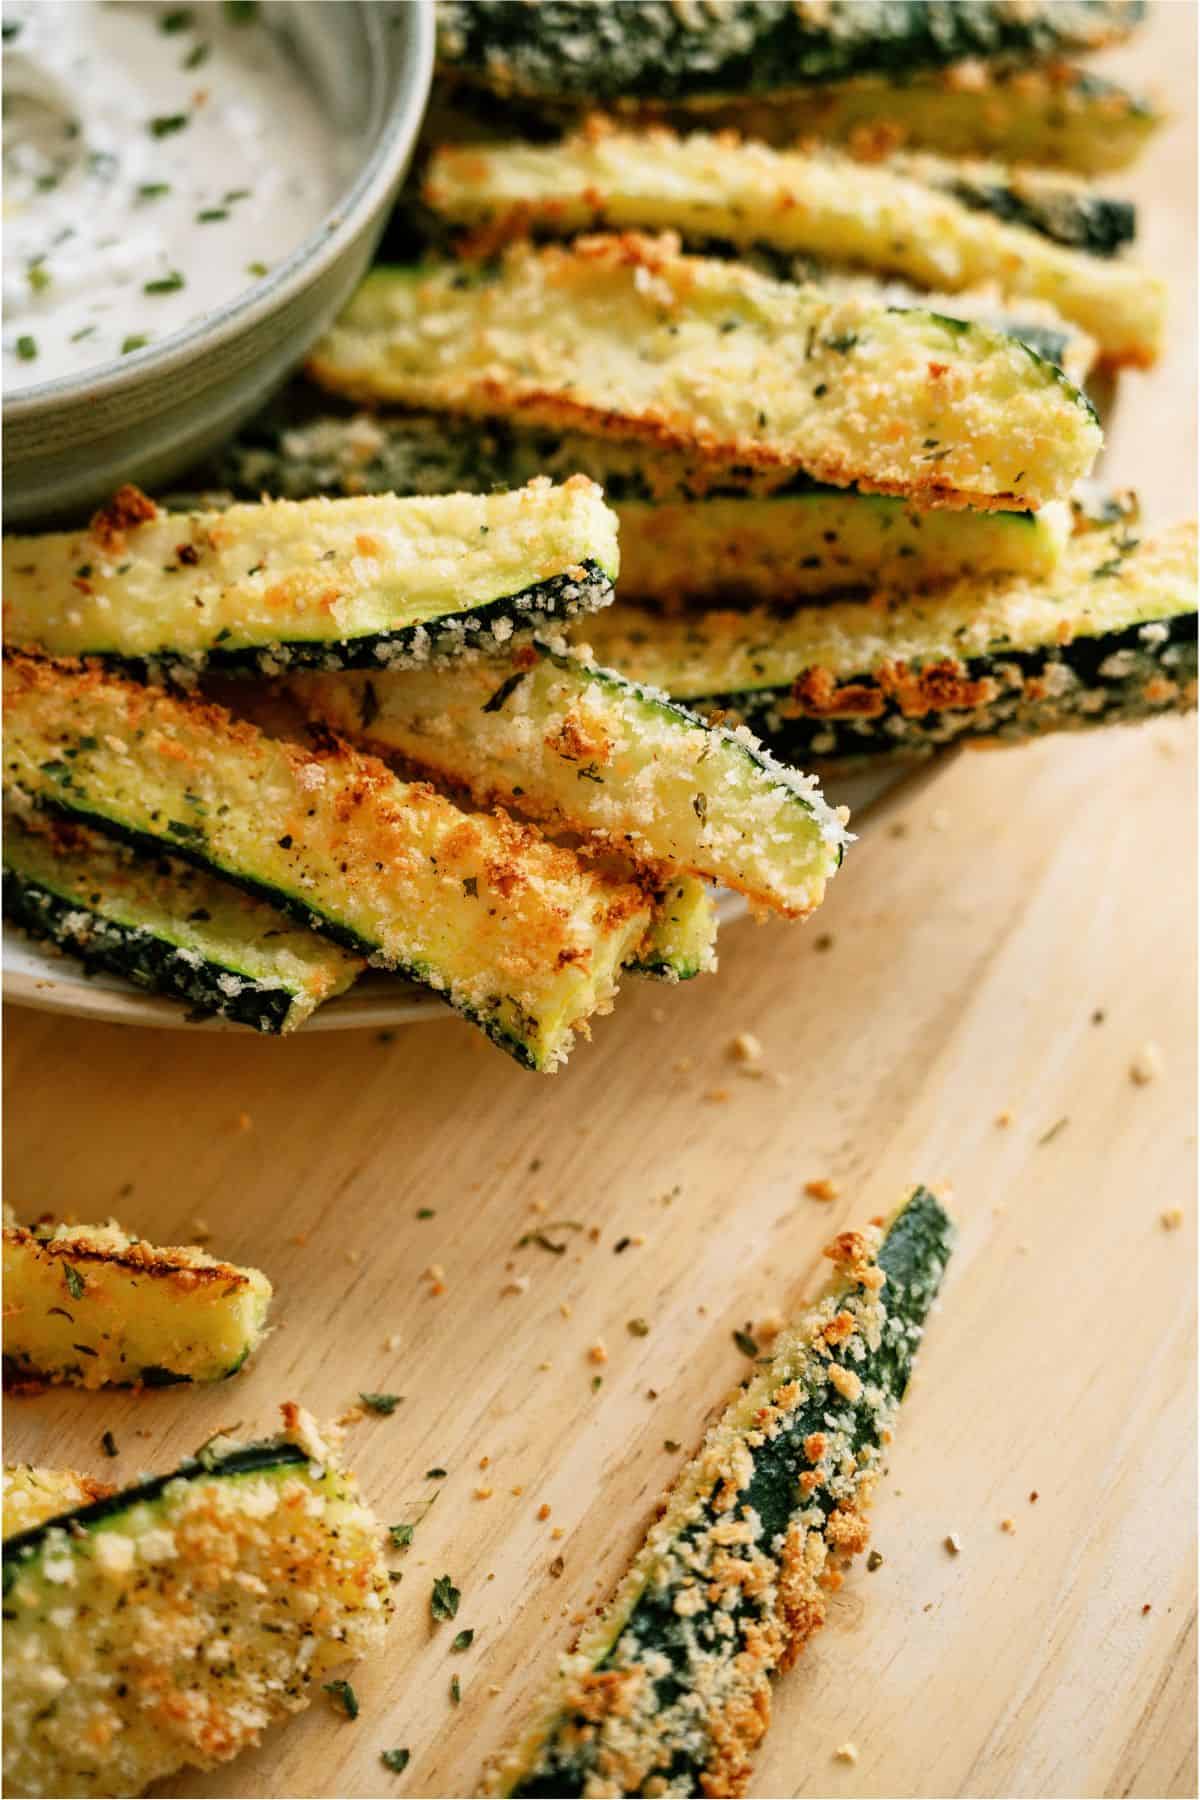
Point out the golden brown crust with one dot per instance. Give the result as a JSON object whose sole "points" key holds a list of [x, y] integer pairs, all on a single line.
{"points": [[127, 509]]}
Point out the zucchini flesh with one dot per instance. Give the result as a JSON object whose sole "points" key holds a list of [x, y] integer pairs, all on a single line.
{"points": [[623, 337], [167, 1626], [89, 1305], [33, 1495], [824, 205], [1068, 211], [1057, 116], [379, 582], [652, 49], [511, 931], [168, 927], [1110, 637], [670, 1689], [583, 750], [682, 940], [687, 531]]}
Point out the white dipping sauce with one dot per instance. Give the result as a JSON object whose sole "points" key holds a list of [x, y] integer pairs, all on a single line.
{"points": [[158, 160]]}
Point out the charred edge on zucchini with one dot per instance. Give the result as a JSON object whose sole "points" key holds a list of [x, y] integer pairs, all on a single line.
{"points": [[670, 1689], [657, 51], [167, 927], [1068, 212]]}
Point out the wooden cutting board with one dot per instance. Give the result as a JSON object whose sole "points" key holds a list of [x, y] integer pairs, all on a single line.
{"points": [[1006, 945]]}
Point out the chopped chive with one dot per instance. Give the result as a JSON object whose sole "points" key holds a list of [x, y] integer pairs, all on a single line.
{"points": [[164, 284], [27, 348], [443, 1602], [257, 269], [395, 1760], [135, 341], [75, 1282], [153, 190], [108, 1444], [745, 1343], [181, 19], [211, 214], [381, 1403], [166, 123], [199, 53], [38, 277], [344, 1695]]}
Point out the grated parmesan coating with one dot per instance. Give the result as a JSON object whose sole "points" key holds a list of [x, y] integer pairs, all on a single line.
{"points": [[90, 1305], [33, 1495], [580, 749], [712, 188], [372, 580], [510, 930], [623, 336], [669, 1689], [168, 1626]]}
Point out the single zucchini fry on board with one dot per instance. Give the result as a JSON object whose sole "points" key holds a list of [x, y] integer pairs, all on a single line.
{"points": [[581, 749], [657, 50], [747, 195], [167, 1626], [90, 1305], [625, 337], [1110, 637], [689, 530], [167, 926], [669, 1689], [513, 932], [328, 584], [34, 1495]]}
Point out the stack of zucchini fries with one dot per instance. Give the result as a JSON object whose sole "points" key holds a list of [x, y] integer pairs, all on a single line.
{"points": [[819, 406]]}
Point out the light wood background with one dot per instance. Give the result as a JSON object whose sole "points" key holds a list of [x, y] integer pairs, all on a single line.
{"points": [[958, 971]]}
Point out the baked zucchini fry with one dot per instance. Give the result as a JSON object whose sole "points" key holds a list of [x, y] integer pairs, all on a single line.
{"points": [[34, 1495], [330, 584], [688, 531], [1060, 207], [580, 749], [1056, 115], [167, 927], [682, 940], [1110, 637], [623, 337], [656, 50], [669, 1689], [167, 1626], [92, 1306], [748, 195], [511, 931]]}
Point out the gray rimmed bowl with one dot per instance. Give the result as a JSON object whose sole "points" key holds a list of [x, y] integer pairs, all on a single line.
{"points": [[147, 418]]}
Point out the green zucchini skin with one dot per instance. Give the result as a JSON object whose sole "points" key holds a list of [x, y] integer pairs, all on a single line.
{"points": [[159, 925], [653, 50], [682, 940], [1072, 215], [674, 1702]]}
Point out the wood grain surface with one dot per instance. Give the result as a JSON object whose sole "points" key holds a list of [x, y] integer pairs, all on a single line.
{"points": [[1007, 945]]}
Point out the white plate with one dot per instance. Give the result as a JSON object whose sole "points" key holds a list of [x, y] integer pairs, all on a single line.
{"points": [[37, 977]]}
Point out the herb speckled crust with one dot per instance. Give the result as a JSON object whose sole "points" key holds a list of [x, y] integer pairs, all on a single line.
{"points": [[371, 582], [656, 50], [689, 530], [33, 1495], [1110, 637], [512, 931], [167, 1626], [669, 1691], [868, 215], [92, 1306], [166, 927], [624, 337], [1063, 209]]}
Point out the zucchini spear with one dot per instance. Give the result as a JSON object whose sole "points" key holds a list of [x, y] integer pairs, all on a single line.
{"points": [[624, 337], [167, 927], [167, 1626], [669, 1690], [90, 1305], [749, 196], [1111, 636], [513, 932], [327, 584]]}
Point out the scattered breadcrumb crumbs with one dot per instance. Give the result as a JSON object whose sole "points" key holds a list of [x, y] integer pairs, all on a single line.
{"points": [[683, 1065], [821, 1189], [301, 1238], [564, 1309], [538, 1206], [543, 1511], [769, 1326], [745, 1048], [1008, 1524], [952, 1542], [353, 1256], [483, 1493], [823, 941], [1172, 1219], [1145, 1609], [518, 1285], [847, 1753], [1146, 1065], [557, 1533], [484, 1461], [1033, 1497], [1004, 1117], [598, 1352], [243, 1121], [518, 1491], [200, 1230], [875, 1561], [716, 1095], [392, 1341]]}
